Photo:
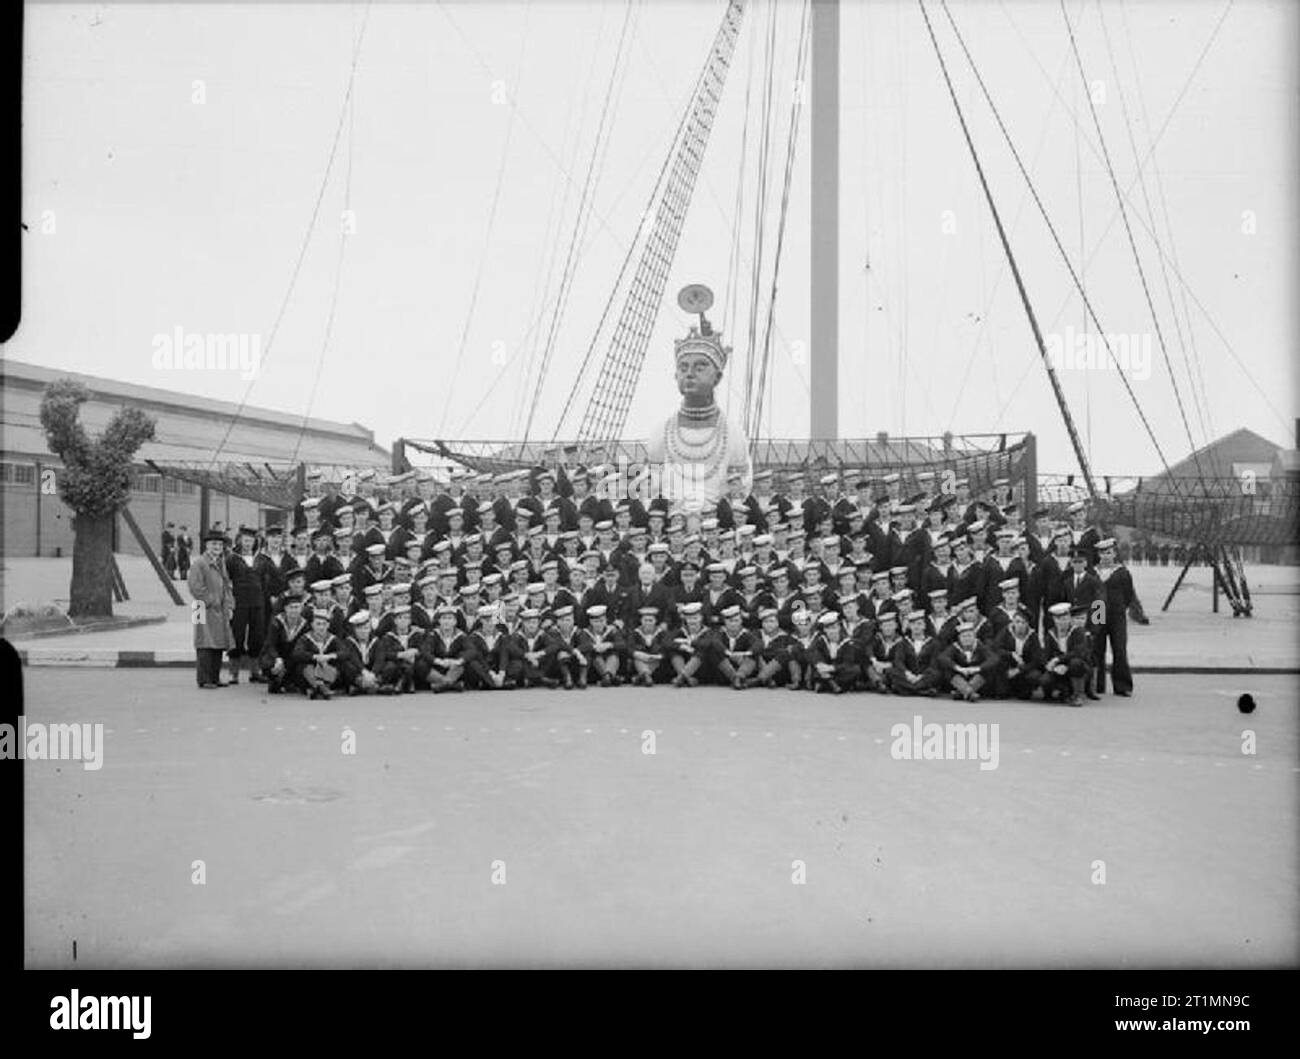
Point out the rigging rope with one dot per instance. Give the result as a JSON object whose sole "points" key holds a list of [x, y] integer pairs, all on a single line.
{"points": [[491, 224], [580, 220], [796, 109], [1006, 247], [334, 296], [306, 239], [1137, 259], [1065, 257]]}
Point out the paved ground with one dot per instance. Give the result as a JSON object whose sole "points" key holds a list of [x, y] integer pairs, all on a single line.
{"points": [[615, 857]]}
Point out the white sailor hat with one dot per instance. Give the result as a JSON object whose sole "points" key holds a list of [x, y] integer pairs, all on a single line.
{"points": [[801, 616], [763, 475], [708, 525], [361, 617], [402, 588], [829, 618], [693, 607], [1077, 506], [747, 530], [376, 549], [598, 611], [650, 612], [658, 548], [565, 611], [969, 601], [401, 608], [829, 479], [915, 615], [966, 626], [894, 571], [323, 585], [446, 571], [938, 593], [761, 539], [880, 575], [310, 502], [529, 612], [372, 590], [493, 578], [768, 612], [925, 476], [428, 581], [1105, 544], [1059, 610], [1008, 583], [747, 571], [887, 615], [901, 594], [716, 568], [732, 611], [535, 588], [833, 541]]}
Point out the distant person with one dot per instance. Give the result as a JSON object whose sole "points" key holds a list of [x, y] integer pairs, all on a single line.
{"points": [[184, 545], [169, 549], [209, 584]]}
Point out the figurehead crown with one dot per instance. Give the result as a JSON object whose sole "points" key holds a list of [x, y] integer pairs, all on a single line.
{"points": [[702, 339]]}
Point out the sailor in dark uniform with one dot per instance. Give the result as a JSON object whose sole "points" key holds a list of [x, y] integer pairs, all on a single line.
{"points": [[1117, 592]]}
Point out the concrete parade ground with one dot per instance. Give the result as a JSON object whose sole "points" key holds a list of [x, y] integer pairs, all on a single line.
{"points": [[532, 829]]}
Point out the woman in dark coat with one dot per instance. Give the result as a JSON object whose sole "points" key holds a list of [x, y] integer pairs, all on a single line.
{"points": [[214, 606]]}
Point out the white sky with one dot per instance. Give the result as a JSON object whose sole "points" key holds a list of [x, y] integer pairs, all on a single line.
{"points": [[170, 213]]}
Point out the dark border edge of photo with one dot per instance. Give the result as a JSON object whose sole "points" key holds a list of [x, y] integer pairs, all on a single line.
{"points": [[11, 151]]}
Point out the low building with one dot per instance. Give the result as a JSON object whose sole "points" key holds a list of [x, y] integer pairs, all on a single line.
{"points": [[189, 430]]}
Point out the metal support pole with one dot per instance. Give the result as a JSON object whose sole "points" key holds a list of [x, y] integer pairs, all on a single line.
{"points": [[824, 351]]}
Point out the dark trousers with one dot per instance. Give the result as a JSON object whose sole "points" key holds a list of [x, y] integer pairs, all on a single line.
{"points": [[207, 665], [1120, 675], [248, 624]]}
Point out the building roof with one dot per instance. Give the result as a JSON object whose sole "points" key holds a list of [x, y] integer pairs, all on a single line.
{"points": [[1221, 457], [189, 427]]}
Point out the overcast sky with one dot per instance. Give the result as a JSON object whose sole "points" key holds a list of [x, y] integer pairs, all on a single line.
{"points": [[169, 212]]}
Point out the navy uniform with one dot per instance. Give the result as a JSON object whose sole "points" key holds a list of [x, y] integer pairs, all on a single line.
{"points": [[1066, 658], [1117, 592]]}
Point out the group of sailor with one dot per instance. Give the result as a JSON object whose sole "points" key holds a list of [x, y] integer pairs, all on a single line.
{"points": [[542, 577]]}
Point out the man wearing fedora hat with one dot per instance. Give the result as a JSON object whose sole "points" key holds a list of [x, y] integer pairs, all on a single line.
{"points": [[214, 606]]}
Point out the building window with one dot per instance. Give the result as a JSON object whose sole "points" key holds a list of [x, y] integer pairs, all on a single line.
{"points": [[20, 473], [148, 483]]}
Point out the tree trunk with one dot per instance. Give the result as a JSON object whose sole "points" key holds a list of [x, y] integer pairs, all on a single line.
{"points": [[92, 566]]}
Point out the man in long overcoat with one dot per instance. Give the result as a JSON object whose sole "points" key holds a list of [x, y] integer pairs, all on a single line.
{"points": [[214, 605]]}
